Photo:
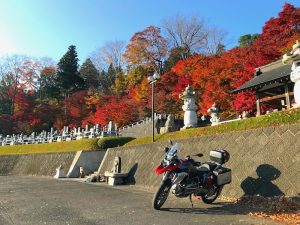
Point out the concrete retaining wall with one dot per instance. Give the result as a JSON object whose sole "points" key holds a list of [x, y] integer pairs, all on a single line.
{"points": [[46, 164], [264, 161], [35, 164]]}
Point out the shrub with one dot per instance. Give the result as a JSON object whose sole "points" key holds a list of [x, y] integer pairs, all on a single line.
{"points": [[112, 142]]}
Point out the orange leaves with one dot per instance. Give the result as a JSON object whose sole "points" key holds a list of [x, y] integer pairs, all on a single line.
{"points": [[146, 48], [287, 218], [91, 101]]}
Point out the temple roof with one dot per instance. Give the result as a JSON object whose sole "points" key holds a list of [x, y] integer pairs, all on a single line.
{"points": [[270, 73]]}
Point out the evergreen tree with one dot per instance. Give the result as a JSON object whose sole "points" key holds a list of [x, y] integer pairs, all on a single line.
{"points": [[5, 100], [68, 79], [107, 79], [175, 55], [111, 74], [90, 74], [247, 39], [102, 81]]}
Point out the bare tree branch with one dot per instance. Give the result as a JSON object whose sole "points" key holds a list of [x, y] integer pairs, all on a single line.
{"points": [[192, 35]]}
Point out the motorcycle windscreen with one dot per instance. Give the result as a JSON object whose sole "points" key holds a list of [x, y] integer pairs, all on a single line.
{"points": [[174, 150]]}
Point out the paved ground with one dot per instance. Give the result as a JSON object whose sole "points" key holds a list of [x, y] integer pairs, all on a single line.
{"points": [[38, 200]]}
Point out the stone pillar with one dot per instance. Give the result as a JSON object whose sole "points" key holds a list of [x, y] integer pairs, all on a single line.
{"points": [[189, 108], [258, 111], [287, 96], [293, 58]]}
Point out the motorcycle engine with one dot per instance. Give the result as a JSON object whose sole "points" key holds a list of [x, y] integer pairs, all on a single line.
{"points": [[178, 190]]}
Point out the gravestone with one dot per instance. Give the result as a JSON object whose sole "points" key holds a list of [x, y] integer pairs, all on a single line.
{"points": [[81, 172], [117, 165], [111, 128], [170, 125], [245, 115]]}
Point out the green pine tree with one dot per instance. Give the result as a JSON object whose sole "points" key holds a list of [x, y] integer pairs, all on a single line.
{"points": [[90, 75], [107, 79], [111, 74], [68, 79], [247, 39]]}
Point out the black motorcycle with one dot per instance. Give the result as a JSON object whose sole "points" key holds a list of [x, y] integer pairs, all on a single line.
{"points": [[187, 177]]}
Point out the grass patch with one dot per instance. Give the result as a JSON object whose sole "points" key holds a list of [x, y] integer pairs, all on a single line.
{"points": [[272, 119], [66, 146]]}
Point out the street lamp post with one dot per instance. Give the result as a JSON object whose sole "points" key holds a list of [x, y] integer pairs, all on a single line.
{"points": [[152, 80]]}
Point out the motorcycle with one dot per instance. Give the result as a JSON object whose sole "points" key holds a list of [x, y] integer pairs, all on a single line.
{"points": [[187, 177]]}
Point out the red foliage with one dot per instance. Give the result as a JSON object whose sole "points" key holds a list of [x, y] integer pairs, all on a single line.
{"points": [[214, 77], [118, 110]]}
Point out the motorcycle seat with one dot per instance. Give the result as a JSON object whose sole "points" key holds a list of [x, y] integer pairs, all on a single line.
{"points": [[202, 169], [209, 166]]}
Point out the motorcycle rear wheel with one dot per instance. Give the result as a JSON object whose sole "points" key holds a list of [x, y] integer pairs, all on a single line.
{"points": [[212, 194], [161, 195]]}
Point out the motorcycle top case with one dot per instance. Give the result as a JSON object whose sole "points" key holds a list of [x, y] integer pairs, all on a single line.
{"points": [[223, 175], [219, 155]]}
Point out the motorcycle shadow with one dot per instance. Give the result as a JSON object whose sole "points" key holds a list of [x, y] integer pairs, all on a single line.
{"points": [[220, 208]]}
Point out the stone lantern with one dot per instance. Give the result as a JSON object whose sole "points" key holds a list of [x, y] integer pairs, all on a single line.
{"points": [[189, 107], [214, 114], [293, 58]]}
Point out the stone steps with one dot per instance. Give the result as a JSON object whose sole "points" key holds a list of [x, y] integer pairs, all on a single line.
{"points": [[92, 177]]}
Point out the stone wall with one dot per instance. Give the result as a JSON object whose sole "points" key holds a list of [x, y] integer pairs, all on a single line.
{"points": [[145, 129], [264, 161], [140, 130], [35, 164]]}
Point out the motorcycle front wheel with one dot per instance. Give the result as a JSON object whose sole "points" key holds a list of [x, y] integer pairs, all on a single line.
{"points": [[212, 194], [161, 195]]}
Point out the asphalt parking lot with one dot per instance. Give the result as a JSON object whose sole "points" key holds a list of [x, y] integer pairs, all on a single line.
{"points": [[44, 200]]}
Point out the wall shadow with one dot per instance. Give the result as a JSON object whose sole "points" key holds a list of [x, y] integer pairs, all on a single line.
{"points": [[262, 185], [131, 179]]}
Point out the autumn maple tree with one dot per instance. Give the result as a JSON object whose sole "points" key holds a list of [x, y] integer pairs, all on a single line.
{"points": [[147, 48]]}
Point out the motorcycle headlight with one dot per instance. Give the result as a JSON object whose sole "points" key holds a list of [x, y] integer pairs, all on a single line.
{"points": [[166, 163]]}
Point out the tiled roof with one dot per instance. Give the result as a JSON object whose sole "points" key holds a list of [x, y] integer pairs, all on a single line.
{"points": [[282, 72]]}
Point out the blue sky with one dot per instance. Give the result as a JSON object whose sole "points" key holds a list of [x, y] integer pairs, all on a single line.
{"points": [[47, 27]]}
